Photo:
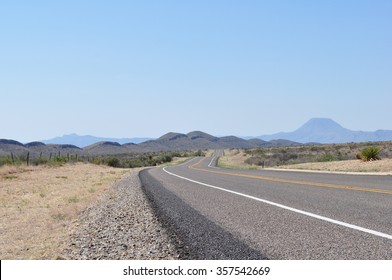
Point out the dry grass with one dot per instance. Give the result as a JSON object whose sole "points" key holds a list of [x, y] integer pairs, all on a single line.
{"points": [[384, 166], [176, 160], [38, 205], [209, 153], [234, 158]]}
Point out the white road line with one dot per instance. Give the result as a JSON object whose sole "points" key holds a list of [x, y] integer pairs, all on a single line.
{"points": [[211, 162], [373, 232], [210, 165], [186, 162]]}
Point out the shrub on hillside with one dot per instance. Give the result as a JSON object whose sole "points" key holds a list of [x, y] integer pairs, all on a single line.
{"points": [[113, 162], [133, 163], [370, 153], [41, 161], [327, 157], [5, 160], [199, 153], [254, 161]]}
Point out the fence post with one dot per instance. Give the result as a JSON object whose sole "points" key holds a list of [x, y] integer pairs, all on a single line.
{"points": [[12, 157], [28, 158]]}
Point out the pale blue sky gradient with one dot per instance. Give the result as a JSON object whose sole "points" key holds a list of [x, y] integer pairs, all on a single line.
{"points": [[143, 68]]}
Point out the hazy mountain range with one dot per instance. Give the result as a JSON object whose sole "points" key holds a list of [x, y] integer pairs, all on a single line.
{"points": [[177, 141], [86, 140], [317, 130], [169, 142], [323, 130]]}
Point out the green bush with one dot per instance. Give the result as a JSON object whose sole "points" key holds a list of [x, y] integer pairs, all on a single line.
{"points": [[113, 162], [199, 153], [370, 153], [133, 163], [96, 161], [41, 161], [327, 157], [5, 160], [166, 158], [60, 159]]}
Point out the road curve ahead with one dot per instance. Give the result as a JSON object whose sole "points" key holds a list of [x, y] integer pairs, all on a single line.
{"points": [[231, 214]]}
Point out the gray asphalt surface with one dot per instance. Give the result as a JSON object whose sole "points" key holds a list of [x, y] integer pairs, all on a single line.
{"points": [[215, 224]]}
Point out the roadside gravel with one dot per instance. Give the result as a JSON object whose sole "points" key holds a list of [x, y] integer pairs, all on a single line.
{"points": [[121, 226]]}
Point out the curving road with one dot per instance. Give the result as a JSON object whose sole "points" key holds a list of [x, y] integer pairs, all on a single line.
{"points": [[231, 214]]}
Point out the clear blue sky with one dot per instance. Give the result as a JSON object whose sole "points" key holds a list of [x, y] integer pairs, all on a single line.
{"points": [[144, 68]]}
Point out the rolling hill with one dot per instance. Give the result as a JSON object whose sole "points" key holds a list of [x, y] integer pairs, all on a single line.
{"points": [[171, 141], [36, 149], [86, 140]]}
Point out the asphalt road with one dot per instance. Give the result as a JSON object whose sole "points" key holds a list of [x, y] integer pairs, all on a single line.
{"points": [[231, 214]]}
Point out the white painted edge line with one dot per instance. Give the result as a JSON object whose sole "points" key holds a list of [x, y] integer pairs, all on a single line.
{"points": [[373, 232], [211, 162], [186, 162], [210, 165]]}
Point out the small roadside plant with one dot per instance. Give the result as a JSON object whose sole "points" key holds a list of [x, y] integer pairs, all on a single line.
{"points": [[370, 153], [327, 157]]}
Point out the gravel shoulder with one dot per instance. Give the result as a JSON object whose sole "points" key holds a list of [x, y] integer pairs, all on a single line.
{"points": [[121, 226]]}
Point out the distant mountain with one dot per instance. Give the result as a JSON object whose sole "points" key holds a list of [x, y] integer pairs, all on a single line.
{"points": [[257, 142], [191, 141], [106, 148], [236, 142], [36, 149], [201, 140], [283, 143], [171, 141], [316, 130], [86, 140], [327, 131], [11, 146]]}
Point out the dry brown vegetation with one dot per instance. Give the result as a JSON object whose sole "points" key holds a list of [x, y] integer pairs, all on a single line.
{"points": [[337, 157], [39, 205], [235, 158], [379, 166], [276, 156]]}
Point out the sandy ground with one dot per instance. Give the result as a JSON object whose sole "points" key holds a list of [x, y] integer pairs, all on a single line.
{"points": [[39, 205]]}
